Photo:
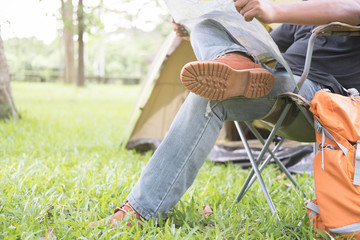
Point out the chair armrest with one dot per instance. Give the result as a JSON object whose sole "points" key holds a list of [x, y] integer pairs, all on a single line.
{"points": [[337, 29]]}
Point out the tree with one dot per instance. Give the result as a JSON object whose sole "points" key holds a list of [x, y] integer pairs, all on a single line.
{"points": [[81, 68], [7, 105], [89, 23], [68, 40]]}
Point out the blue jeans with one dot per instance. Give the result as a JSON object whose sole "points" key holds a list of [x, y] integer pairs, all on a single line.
{"points": [[175, 164]]}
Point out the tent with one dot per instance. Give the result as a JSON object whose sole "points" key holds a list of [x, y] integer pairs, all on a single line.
{"points": [[160, 98]]}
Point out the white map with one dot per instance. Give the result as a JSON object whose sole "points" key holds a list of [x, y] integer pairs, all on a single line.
{"points": [[252, 35]]}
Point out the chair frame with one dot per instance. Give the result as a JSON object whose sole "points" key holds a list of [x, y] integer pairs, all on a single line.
{"points": [[331, 29]]}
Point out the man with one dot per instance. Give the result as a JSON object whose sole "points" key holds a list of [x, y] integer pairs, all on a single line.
{"points": [[175, 164]]}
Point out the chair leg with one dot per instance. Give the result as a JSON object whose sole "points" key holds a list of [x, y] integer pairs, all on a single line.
{"points": [[273, 156], [257, 172], [255, 164], [260, 157], [252, 178]]}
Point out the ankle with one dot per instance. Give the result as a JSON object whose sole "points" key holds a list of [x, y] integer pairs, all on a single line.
{"points": [[127, 208]]}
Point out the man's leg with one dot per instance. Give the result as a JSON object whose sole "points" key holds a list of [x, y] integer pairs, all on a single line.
{"points": [[175, 164], [224, 69], [209, 40]]}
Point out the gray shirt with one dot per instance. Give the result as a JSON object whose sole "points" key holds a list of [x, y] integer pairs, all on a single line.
{"points": [[336, 60]]}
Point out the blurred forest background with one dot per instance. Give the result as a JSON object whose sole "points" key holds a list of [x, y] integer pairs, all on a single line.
{"points": [[97, 41], [87, 50]]}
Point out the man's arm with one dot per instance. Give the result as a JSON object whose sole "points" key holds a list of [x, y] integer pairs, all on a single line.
{"points": [[313, 12]]}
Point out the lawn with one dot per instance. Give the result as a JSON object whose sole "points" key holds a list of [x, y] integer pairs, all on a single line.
{"points": [[62, 166]]}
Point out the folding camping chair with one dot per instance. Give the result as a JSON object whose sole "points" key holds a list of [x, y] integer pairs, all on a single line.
{"points": [[288, 113]]}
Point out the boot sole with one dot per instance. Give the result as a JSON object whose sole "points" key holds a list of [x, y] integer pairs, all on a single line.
{"points": [[218, 81]]}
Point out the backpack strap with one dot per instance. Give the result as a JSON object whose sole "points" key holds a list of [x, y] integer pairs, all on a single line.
{"points": [[353, 93], [346, 229], [357, 165], [319, 128], [324, 133], [314, 208]]}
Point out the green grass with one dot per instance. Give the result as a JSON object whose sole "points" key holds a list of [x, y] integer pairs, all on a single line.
{"points": [[61, 167]]}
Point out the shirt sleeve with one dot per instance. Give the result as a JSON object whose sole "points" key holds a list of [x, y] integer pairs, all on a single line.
{"points": [[284, 36]]}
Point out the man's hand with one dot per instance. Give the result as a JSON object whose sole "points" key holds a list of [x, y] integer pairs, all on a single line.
{"points": [[302, 12], [180, 30], [259, 9]]}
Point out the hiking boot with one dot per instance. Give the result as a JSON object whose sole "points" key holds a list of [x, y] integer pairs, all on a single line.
{"points": [[230, 75], [120, 213]]}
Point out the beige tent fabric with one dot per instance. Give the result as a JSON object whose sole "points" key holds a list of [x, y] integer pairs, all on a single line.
{"points": [[166, 97]]}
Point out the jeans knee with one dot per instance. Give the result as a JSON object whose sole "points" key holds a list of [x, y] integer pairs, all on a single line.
{"points": [[217, 109], [205, 26], [195, 104]]}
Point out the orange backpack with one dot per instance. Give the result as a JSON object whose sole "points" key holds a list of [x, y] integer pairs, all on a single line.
{"points": [[336, 164]]}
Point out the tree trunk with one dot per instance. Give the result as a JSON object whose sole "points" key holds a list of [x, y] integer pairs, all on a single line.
{"points": [[68, 40], [7, 105], [81, 68]]}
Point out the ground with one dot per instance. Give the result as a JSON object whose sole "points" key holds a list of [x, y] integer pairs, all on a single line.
{"points": [[63, 166]]}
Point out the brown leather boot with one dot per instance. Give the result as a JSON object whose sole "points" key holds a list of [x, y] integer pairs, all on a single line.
{"points": [[230, 75], [119, 215]]}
